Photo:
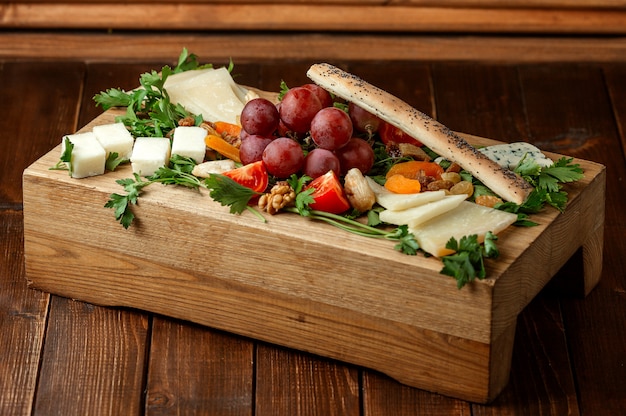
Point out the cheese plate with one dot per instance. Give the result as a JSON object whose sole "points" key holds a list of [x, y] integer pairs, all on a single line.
{"points": [[303, 284]]}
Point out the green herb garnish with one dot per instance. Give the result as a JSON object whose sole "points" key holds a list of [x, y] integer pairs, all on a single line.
{"points": [[548, 187], [467, 263], [113, 161], [229, 193], [406, 242], [149, 110], [177, 174], [65, 161]]}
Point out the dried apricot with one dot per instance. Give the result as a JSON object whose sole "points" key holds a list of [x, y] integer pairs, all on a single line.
{"points": [[400, 184], [415, 168]]}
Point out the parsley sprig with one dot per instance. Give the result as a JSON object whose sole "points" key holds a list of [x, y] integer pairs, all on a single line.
{"points": [[65, 161], [405, 241], [177, 173], [149, 110], [548, 182], [467, 263], [230, 193]]}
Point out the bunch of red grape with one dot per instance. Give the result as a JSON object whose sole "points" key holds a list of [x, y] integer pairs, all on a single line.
{"points": [[276, 133]]}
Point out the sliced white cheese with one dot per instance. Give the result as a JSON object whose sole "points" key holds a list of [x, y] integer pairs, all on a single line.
{"points": [[188, 141], [465, 220], [397, 202], [149, 154], [509, 155], [175, 79], [212, 94], [88, 156], [420, 214], [115, 138]]}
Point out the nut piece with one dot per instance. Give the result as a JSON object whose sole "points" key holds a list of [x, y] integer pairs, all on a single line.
{"points": [[280, 196], [417, 153], [205, 169], [358, 191]]}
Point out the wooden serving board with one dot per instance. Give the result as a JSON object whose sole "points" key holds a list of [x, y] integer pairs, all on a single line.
{"points": [[299, 283]]}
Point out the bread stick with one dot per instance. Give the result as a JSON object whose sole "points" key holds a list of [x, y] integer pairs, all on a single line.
{"points": [[439, 138]]}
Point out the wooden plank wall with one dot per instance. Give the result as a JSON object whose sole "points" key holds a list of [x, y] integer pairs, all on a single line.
{"points": [[249, 30]]}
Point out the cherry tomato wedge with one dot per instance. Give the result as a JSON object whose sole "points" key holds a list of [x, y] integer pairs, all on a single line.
{"points": [[415, 168], [391, 134], [253, 176], [328, 194]]}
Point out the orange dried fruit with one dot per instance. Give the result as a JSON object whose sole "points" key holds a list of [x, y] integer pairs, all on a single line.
{"points": [[416, 168], [400, 184]]}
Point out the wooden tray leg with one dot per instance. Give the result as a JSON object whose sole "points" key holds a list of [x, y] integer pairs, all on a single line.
{"points": [[592, 252], [583, 270], [500, 361]]}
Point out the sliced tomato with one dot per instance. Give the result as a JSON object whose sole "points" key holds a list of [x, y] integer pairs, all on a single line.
{"points": [[390, 134], [253, 176], [328, 194]]}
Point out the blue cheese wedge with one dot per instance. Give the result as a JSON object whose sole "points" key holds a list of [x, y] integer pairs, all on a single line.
{"points": [[188, 141], [115, 138], [464, 220], [150, 154], [88, 156], [509, 155]]}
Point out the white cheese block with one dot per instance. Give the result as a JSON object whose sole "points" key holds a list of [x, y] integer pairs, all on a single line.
{"points": [[465, 220], [212, 94], [149, 154], [188, 141], [398, 202], [115, 138], [88, 156], [509, 155], [420, 214]]}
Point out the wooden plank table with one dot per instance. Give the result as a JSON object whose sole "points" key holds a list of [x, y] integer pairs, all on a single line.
{"points": [[61, 356]]}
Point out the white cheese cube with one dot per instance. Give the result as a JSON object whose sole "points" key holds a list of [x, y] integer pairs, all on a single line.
{"points": [[88, 156], [149, 154], [115, 138], [188, 141]]}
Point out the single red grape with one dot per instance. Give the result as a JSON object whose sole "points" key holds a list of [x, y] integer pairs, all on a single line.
{"points": [[331, 128], [356, 154], [252, 147], [319, 161], [324, 96], [283, 157], [260, 116], [297, 108], [362, 120]]}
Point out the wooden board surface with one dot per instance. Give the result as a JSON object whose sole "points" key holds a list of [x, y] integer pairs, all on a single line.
{"points": [[346, 297], [568, 351]]}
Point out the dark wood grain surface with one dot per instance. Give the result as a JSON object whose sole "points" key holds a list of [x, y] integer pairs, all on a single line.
{"points": [[66, 357]]}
